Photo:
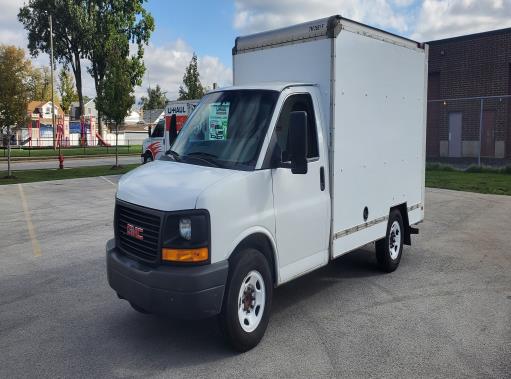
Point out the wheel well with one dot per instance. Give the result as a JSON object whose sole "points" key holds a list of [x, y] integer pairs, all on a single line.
{"points": [[148, 152], [262, 243], [406, 223]]}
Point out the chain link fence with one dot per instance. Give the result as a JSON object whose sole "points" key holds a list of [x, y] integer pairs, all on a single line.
{"points": [[474, 130]]}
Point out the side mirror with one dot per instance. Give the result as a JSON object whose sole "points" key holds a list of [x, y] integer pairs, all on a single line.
{"points": [[149, 130], [297, 142]]}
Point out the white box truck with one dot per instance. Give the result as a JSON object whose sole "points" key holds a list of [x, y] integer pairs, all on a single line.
{"points": [[166, 129], [317, 150]]}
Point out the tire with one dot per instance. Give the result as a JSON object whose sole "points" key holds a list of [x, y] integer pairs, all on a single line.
{"points": [[243, 321], [139, 309], [390, 248], [148, 157]]}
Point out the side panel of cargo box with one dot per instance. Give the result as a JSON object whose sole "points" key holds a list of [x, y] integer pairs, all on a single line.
{"points": [[378, 143]]}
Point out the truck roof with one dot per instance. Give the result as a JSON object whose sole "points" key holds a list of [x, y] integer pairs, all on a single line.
{"points": [[272, 86], [328, 27]]}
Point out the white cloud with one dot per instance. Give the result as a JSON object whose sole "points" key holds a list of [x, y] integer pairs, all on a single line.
{"points": [[421, 20], [165, 65], [443, 18], [11, 31], [258, 15]]}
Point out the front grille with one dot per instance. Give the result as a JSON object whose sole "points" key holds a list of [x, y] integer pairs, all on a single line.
{"points": [[145, 249]]}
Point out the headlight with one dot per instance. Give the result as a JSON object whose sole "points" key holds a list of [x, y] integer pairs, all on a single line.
{"points": [[185, 228], [179, 244]]}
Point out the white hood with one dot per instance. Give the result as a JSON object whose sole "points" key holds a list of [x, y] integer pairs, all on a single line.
{"points": [[167, 185]]}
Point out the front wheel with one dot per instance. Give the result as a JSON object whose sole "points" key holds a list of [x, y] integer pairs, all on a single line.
{"points": [[148, 157], [247, 300], [390, 248]]}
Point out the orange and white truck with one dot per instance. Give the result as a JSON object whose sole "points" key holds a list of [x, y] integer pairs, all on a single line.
{"points": [[166, 129]]}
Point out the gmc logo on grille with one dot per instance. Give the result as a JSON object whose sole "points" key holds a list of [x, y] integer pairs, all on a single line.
{"points": [[134, 231]]}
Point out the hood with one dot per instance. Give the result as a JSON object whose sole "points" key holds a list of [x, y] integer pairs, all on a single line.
{"points": [[167, 185]]}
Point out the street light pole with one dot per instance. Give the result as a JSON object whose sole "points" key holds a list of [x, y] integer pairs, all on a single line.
{"points": [[51, 78]]}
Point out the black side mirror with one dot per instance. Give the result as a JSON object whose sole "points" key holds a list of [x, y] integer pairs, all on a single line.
{"points": [[149, 130], [297, 142]]}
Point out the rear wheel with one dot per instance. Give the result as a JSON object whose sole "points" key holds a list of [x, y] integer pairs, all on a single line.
{"points": [[390, 248], [247, 300]]}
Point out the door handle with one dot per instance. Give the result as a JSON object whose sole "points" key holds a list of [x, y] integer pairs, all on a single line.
{"points": [[322, 178]]}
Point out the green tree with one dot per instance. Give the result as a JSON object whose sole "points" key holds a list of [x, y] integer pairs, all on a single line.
{"points": [[14, 92], [71, 29], [67, 90], [40, 84], [123, 20], [155, 99], [123, 73], [192, 88]]}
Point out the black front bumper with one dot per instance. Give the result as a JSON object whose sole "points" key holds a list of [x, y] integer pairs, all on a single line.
{"points": [[183, 292]]}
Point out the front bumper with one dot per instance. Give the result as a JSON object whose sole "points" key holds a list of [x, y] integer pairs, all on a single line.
{"points": [[184, 292]]}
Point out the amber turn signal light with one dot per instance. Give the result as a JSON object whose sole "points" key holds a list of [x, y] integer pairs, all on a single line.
{"points": [[185, 255]]}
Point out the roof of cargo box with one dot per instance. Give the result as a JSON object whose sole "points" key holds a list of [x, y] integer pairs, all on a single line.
{"points": [[328, 27], [270, 86]]}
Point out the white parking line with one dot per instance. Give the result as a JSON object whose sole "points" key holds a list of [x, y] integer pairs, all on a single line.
{"points": [[108, 180], [31, 231]]}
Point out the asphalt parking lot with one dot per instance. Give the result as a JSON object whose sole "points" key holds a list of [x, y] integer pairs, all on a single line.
{"points": [[446, 312]]}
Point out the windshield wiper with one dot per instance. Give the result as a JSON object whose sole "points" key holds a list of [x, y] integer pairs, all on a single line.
{"points": [[205, 157], [174, 155]]}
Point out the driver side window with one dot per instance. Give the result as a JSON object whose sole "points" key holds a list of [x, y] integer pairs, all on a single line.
{"points": [[159, 129], [300, 102]]}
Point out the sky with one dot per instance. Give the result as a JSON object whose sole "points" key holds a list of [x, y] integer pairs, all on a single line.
{"points": [[209, 27]]}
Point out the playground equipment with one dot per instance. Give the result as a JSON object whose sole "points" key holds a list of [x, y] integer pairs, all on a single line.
{"points": [[101, 141]]}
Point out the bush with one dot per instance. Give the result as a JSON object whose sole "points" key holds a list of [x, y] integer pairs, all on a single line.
{"points": [[439, 167]]}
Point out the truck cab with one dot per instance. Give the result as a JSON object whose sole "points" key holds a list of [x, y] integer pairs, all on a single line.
{"points": [[166, 129], [154, 145]]}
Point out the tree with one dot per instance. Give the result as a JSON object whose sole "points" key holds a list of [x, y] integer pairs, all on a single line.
{"points": [[126, 20], [70, 32], [193, 88], [155, 99], [67, 90], [40, 84], [123, 72], [14, 91]]}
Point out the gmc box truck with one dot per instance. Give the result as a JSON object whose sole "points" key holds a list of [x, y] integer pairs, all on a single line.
{"points": [[316, 150]]}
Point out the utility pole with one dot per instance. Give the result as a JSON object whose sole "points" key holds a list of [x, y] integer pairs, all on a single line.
{"points": [[51, 78]]}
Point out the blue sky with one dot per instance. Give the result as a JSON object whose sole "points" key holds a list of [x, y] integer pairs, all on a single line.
{"points": [[209, 31], [208, 28]]}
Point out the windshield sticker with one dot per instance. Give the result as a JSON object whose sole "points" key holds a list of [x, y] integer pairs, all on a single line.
{"points": [[218, 120]]}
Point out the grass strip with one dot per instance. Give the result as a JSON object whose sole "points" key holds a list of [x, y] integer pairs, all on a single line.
{"points": [[27, 176]]}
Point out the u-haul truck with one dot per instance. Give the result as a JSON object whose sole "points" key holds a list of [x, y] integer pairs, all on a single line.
{"points": [[166, 129], [317, 150]]}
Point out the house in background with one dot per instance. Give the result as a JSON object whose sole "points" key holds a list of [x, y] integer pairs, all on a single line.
{"points": [[469, 108], [38, 131], [152, 116], [89, 109]]}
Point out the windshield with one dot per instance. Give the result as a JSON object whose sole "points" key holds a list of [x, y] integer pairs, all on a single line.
{"points": [[227, 129]]}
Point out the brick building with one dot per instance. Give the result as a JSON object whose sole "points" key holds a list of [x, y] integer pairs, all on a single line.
{"points": [[467, 68]]}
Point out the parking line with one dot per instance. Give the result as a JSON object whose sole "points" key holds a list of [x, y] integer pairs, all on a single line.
{"points": [[31, 231], [109, 181]]}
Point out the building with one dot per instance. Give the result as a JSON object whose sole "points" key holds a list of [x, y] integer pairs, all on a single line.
{"points": [[38, 131], [468, 111], [89, 109], [152, 116]]}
